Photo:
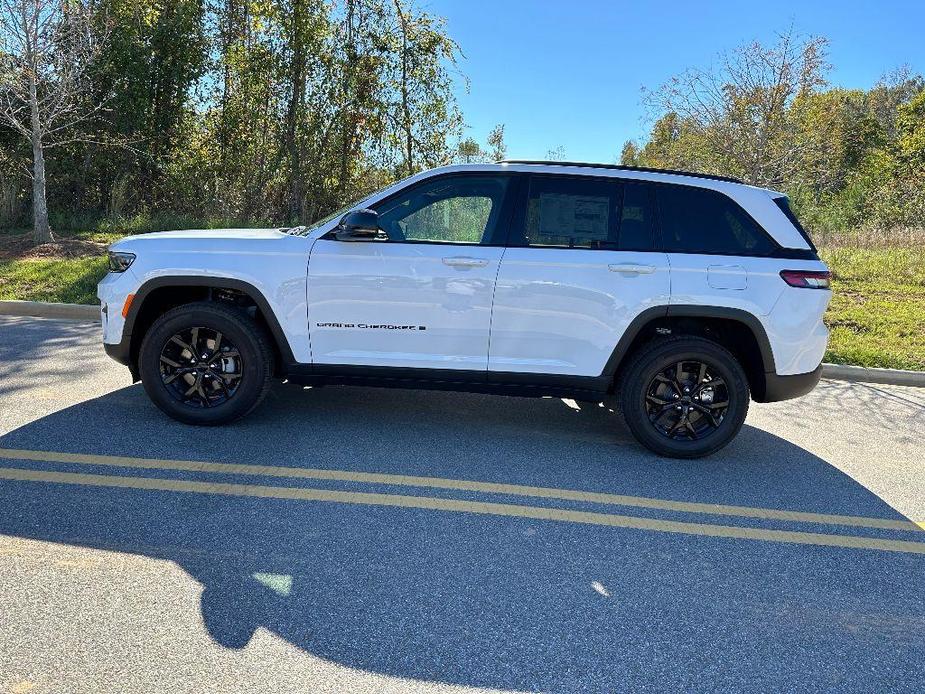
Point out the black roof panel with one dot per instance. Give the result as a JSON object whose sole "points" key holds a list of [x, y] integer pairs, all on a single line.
{"points": [[620, 167]]}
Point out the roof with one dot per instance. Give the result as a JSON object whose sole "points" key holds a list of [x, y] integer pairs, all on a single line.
{"points": [[621, 167]]}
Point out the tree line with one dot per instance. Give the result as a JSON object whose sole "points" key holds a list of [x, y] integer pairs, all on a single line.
{"points": [[263, 110], [848, 158]]}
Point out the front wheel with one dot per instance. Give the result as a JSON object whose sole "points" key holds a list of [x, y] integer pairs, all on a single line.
{"points": [[205, 363], [684, 397]]}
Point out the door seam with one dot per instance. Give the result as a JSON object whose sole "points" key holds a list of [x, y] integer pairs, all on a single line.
{"points": [[491, 313]]}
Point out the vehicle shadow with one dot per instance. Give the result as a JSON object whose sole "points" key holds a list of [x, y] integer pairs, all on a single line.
{"points": [[489, 601]]}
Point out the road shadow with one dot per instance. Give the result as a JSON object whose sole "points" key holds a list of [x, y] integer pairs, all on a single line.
{"points": [[488, 601]]}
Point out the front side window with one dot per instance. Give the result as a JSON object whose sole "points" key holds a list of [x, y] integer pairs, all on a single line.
{"points": [[698, 220], [451, 209]]}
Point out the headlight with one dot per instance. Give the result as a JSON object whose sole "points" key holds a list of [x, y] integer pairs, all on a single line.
{"points": [[120, 262]]}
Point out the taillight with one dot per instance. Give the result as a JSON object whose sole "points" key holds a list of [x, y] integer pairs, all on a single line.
{"points": [[807, 279]]}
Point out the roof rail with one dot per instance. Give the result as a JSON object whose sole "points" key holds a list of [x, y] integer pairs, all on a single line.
{"points": [[620, 167]]}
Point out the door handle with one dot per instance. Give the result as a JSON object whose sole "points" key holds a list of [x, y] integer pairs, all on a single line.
{"points": [[464, 261], [635, 268]]}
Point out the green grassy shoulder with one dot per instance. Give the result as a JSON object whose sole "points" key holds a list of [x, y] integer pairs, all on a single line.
{"points": [[877, 314], [70, 280], [66, 272]]}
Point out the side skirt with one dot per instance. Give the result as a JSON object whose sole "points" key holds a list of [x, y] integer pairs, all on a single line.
{"points": [[584, 388]]}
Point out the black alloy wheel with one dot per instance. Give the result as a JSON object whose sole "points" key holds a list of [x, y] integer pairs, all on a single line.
{"points": [[201, 367], [683, 396], [206, 363], [687, 400]]}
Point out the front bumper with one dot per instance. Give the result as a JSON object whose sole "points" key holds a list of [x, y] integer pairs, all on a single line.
{"points": [[119, 352], [122, 353], [113, 292], [787, 387]]}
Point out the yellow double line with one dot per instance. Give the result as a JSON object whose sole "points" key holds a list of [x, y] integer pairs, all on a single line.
{"points": [[456, 505]]}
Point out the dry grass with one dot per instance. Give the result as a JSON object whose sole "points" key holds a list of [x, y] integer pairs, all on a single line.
{"points": [[22, 247], [871, 238]]}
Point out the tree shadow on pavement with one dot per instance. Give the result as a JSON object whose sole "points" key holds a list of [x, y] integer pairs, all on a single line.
{"points": [[491, 601], [26, 344]]}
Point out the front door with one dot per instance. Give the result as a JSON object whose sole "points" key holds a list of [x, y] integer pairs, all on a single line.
{"points": [[422, 298]]}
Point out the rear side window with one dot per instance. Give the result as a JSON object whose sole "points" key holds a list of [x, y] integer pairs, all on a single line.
{"points": [[571, 212], [697, 220], [637, 226], [588, 213]]}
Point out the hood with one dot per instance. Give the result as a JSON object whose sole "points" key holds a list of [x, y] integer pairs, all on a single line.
{"points": [[198, 234]]}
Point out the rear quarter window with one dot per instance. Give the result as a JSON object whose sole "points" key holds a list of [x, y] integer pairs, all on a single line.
{"points": [[784, 205], [698, 220]]}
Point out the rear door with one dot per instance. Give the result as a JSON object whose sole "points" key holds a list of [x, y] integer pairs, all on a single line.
{"points": [[422, 298], [579, 268]]}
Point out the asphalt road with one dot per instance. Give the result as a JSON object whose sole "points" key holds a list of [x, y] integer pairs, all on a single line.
{"points": [[544, 551]]}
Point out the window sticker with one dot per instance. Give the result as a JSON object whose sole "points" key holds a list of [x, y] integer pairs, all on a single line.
{"points": [[574, 216]]}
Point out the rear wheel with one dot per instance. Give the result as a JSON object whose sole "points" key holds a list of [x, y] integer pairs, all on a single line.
{"points": [[684, 397], [205, 363]]}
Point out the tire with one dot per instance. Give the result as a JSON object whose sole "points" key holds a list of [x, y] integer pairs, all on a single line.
{"points": [[676, 423], [231, 390]]}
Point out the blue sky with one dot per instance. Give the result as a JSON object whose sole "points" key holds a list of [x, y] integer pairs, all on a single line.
{"points": [[568, 72]]}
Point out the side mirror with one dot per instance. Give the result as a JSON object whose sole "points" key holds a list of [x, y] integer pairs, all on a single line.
{"points": [[359, 225]]}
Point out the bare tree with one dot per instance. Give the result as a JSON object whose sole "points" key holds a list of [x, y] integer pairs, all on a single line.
{"points": [[739, 108], [557, 154], [496, 143], [46, 50]]}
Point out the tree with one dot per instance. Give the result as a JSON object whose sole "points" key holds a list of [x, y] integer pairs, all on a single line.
{"points": [[423, 111], [250, 111], [48, 48], [833, 132], [738, 112], [894, 89], [910, 126], [496, 146], [557, 154], [629, 155], [155, 52], [469, 150]]}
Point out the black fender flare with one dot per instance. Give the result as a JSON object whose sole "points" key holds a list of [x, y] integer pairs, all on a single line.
{"points": [[691, 311], [122, 352]]}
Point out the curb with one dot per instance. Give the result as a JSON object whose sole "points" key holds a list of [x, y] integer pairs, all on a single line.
{"points": [[838, 372], [42, 309], [865, 374]]}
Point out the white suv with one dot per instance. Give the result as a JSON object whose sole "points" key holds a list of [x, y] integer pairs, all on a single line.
{"points": [[682, 294]]}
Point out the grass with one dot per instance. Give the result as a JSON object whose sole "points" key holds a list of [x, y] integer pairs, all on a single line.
{"points": [[70, 280], [877, 314]]}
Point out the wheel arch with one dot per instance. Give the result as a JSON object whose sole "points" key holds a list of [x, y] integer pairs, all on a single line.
{"points": [[739, 331], [160, 294]]}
